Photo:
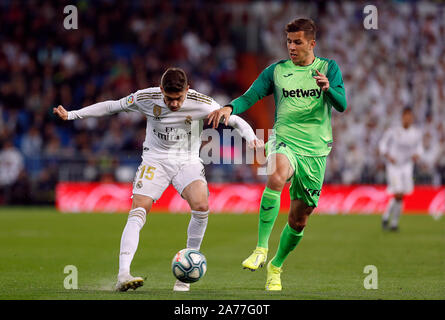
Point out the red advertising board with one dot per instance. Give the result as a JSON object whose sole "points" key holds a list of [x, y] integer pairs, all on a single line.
{"points": [[245, 198]]}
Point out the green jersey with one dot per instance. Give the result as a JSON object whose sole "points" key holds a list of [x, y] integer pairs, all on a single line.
{"points": [[302, 109]]}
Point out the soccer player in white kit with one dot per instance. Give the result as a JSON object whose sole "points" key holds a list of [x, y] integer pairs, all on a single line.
{"points": [[175, 116], [401, 146]]}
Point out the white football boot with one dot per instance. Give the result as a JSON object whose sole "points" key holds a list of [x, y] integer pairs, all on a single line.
{"points": [[181, 286], [127, 281]]}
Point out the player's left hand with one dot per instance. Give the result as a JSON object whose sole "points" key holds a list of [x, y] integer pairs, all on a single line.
{"points": [[61, 112], [256, 144], [322, 81]]}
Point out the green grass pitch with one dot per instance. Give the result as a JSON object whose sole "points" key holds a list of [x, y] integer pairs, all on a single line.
{"points": [[37, 243]]}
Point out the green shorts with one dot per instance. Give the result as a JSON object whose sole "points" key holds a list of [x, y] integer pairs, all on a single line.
{"points": [[307, 180]]}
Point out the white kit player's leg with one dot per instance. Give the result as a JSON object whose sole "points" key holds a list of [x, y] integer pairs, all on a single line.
{"points": [[130, 238], [397, 210], [396, 186], [197, 228], [407, 188], [196, 194], [129, 244], [195, 234], [401, 183], [388, 213], [191, 184], [149, 184]]}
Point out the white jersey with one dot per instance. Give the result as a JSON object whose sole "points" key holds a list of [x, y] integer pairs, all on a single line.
{"points": [[402, 144], [11, 164], [169, 134]]}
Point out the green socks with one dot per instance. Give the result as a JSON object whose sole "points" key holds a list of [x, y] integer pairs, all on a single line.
{"points": [[269, 208], [288, 241]]}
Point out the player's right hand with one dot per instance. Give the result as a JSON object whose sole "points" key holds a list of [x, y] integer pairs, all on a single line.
{"points": [[215, 116], [61, 112]]}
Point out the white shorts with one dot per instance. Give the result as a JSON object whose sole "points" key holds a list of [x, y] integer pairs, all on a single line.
{"points": [[400, 179], [155, 175]]}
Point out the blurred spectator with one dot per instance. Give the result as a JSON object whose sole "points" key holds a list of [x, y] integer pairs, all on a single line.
{"points": [[32, 142], [90, 171], [11, 165], [353, 165], [428, 163]]}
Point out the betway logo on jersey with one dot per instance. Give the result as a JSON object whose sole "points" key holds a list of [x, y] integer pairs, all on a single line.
{"points": [[300, 93]]}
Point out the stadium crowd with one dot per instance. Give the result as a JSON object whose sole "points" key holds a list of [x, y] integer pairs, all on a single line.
{"points": [[121, 47]]}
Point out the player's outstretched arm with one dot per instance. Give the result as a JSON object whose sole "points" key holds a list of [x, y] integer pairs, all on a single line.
{"points": [[260, 88], [245, 131], [99, 109]]}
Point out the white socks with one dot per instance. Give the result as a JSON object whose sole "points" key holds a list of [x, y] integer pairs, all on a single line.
{"points": [[196, 229], [397, 209], [393, 211], [130, 238]]}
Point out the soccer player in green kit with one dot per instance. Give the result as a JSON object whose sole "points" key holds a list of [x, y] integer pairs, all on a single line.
{"points": [[305, 88]]}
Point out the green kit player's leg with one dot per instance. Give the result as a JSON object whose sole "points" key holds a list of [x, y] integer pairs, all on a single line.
{"points": [[289, 239], [305, 188], [269, 208]]}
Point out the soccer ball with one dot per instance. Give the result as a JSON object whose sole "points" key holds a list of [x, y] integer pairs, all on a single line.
{"points": [[189, 265]]}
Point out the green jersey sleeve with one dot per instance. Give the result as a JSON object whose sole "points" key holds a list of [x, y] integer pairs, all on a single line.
{"points": [[260, 88], [336, 92]]}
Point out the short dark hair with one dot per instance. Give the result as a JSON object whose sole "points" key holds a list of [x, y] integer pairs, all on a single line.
{"points": [[174, 80], [407, 109], [303, 24]]}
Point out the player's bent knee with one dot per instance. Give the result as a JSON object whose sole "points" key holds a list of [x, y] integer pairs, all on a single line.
{"points": [[276, 181], [200, 207], [297, 225], [309, 210], [140, 201]]}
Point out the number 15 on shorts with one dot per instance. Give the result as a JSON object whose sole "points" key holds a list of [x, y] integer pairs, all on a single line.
{"points": [[147, 172]]}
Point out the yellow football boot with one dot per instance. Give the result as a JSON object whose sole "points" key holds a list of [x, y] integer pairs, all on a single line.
{"points": [[273, 281], [256, 259]]}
